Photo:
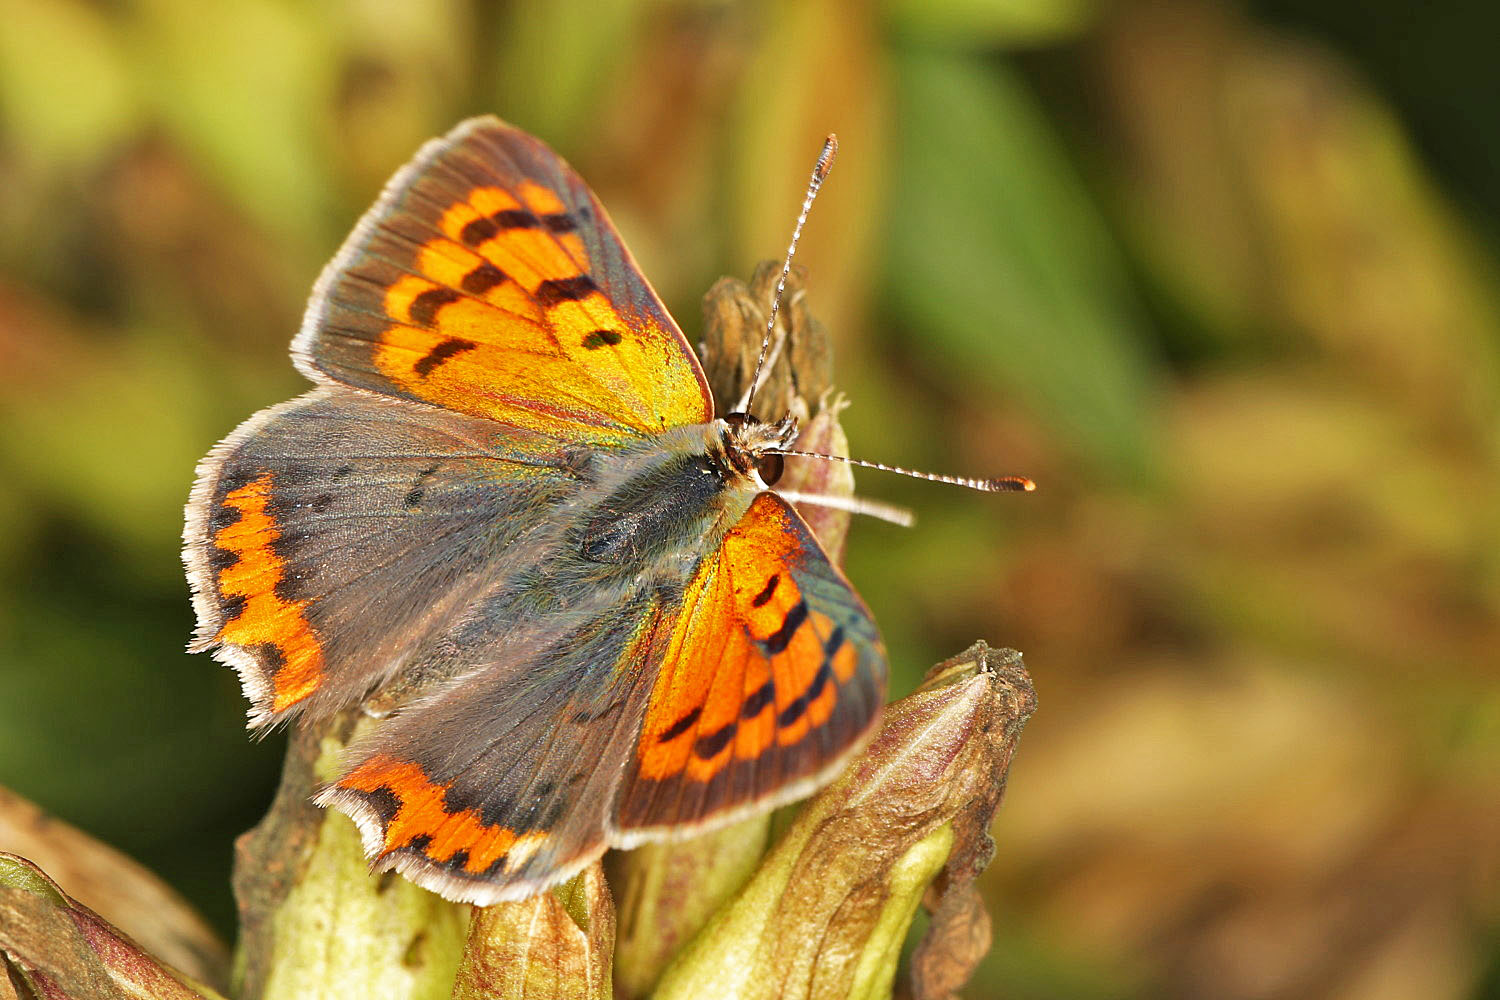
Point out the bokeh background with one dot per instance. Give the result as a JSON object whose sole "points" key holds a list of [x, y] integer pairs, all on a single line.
{"points": [[1220, 276]]}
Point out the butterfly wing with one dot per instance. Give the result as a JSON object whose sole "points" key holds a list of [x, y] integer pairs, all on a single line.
{"points": [[500, 784], [326, 536], [488, 280], [774, 673]]}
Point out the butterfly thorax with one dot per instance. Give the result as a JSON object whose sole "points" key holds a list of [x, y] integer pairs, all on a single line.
{"points": [[659, 505]]}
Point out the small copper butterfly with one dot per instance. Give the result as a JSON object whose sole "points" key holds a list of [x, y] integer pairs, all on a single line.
{"points": [[510, 490]]}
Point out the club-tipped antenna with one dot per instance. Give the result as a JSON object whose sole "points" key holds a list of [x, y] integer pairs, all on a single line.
{"points": [[1004, 484], [819, 175]]}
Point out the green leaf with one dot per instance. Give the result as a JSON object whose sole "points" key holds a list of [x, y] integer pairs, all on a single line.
{"points": [[992, 22], [1001, 268]]}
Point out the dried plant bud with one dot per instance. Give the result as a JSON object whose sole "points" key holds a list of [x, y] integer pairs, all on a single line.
{"points": [[314, 921], [828, 910], [958, 936], [553, 946], [797, 380], [666, 892], [57, 947], [734, 324], [956, 941], [823, 435]]}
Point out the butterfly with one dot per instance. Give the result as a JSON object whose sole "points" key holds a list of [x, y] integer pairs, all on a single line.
{"points": [[510, 493]]}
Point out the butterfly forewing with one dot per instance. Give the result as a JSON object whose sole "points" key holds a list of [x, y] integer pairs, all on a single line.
{"points": [[326, 536], [488, 280]]}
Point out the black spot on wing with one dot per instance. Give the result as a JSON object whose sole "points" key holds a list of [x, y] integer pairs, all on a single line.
{"points": [[221, 559], [758, 699], [776, 643], [287, 590], [234, 606], [601, 338], [385, 804], [516, 218], [270, 656], [478, 231], [489, 226], [713, 743], [482, 279], [556, 290], [449, 348], [798, 705], [681, 726], [761, 598], [223, 516], [424, 308], [413, 498]]}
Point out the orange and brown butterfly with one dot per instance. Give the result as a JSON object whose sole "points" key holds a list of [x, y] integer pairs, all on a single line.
{"points": [[509, 491]]}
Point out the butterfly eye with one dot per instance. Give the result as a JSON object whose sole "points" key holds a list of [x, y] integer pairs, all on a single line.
{"points": [[770, 468]]}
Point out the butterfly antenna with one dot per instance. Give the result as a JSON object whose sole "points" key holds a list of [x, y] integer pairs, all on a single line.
{"points": [[1004, 484], [819, 175]]}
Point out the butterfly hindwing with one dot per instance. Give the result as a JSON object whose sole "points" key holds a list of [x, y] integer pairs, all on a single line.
{"points": [[487, 280], [773, 674], [500, 784], [327, 535]]}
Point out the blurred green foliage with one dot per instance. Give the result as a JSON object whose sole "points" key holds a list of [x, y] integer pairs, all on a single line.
{"points": [[1221, 277]]}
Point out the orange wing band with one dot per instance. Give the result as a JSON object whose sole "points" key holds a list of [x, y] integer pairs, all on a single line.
{"points": [[265, 618], [421, 811]]}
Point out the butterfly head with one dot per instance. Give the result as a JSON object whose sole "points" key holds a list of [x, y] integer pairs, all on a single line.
{"points": [[751, 444]]}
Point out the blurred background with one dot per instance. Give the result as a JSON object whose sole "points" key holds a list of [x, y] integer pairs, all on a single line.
{"points": [[1220, 276]]}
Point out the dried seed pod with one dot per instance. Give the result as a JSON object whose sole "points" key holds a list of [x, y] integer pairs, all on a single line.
{"points": [[826, 913], [554, 946]]}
